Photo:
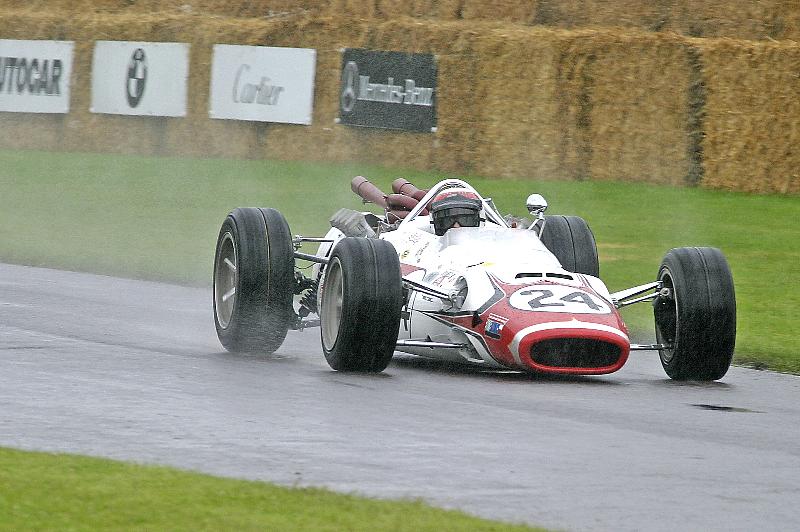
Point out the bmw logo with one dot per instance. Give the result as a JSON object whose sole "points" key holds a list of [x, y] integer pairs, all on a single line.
{"points": [[137, 75]]}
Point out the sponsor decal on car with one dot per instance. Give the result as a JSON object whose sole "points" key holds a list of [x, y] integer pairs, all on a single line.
{"points": [[494, 326]]}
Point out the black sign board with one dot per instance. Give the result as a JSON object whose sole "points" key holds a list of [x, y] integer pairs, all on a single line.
{"points": [[390, 90]]}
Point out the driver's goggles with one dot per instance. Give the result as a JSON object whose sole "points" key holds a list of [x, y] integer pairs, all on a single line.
{"points": [[447, 218], [464, 220]]}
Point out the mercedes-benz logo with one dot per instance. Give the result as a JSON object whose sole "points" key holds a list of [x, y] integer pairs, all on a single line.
{"points": [[349, 80], [137, 76]]}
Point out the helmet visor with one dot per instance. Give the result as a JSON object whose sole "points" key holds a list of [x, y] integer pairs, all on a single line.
{"points": [[444, 219]]}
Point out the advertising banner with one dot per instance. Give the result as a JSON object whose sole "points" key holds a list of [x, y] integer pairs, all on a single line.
{"points": [[391, 90], [140, 78], [262, 83], [34, 76]]}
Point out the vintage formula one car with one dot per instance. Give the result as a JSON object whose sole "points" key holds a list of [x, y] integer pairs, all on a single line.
{"points": [[442, 274]]}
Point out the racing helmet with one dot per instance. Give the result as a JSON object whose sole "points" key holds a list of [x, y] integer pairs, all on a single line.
{"points": [[455, 206]]}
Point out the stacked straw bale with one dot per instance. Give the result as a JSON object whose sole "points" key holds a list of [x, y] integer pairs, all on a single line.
{"points": [[740, 19], [513, 99], [752, 116]]}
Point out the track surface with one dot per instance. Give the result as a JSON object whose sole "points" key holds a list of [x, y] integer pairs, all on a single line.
{"points": [[132, 370]]}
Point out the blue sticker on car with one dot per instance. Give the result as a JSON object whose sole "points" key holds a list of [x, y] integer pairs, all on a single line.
{"points": [[493, 328]]}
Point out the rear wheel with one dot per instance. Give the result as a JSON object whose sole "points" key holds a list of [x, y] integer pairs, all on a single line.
{"points": [[253, 280], [572, 242], [696, 314], [361, 301]]}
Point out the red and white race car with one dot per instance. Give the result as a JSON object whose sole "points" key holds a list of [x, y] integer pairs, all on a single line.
{"points": [[442, 274]]}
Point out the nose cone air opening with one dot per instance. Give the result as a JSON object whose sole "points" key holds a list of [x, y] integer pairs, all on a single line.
{"points": [[583, 353], [578, 348]]}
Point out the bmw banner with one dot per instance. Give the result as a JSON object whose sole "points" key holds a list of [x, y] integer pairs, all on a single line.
{"points": [[140, 78], [391, 90], [35, 76]]}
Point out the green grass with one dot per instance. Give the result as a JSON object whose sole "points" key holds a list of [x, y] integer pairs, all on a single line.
{"points": [[41, 491], [158, 218]]}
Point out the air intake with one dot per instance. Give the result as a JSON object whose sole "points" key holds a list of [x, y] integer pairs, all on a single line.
{"points": [[574, 353], [539, 274]]}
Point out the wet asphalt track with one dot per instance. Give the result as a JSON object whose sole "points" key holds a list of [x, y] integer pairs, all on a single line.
{"points": [[133, 370]]}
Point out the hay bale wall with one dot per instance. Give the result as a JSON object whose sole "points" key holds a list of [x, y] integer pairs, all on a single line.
{"points": [[513, 100], [739, 19]]}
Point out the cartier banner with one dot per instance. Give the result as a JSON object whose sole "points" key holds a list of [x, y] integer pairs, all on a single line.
{"points": [[262, 83], [391, 90]]}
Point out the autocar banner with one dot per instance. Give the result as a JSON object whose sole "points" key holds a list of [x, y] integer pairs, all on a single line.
{"points": [[390, 90], [140, 78], [263, 83], [35, 76]]}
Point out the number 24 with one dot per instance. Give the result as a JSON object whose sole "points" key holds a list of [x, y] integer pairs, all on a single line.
{"points": [[575, 297]]}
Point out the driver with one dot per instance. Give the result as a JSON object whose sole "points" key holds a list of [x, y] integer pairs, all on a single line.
{"points": [[455, 208]]}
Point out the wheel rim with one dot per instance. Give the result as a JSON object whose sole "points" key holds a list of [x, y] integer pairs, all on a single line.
{"points": [[226, 278], [668, 331], [332, 298]]}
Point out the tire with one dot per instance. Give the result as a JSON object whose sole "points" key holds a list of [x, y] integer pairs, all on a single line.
{"points": [[572, 242], [698, 318], [361, 301], [253, 281]]}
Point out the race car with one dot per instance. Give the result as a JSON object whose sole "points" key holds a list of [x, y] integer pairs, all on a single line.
{"points": [[442, 274]]}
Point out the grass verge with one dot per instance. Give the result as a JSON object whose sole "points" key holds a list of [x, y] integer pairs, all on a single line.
{"points": [[40, 491], [158, 218]]}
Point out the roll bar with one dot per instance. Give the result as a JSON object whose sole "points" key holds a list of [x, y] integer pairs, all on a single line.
{"points": [[488, 207]]}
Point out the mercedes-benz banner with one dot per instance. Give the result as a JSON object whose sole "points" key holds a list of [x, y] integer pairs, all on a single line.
{"points": [[140, 78], [35, 75], [262, 83], [392, 90]]}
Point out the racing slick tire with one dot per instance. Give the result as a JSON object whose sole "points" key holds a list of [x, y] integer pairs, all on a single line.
{"points": [[696, 315], [360, 305], [253, 281], [572, 242]]}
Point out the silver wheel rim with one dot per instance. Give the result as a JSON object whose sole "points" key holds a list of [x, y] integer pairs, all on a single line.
{"points": [[226, 277], [667, 354], [332, 297]]}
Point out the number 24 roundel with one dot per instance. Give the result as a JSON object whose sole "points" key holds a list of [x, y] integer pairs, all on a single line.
{"points": [[557, 298]]}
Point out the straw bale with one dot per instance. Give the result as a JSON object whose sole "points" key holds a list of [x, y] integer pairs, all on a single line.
{"points": [[583, 105], [741, 19], [519, 11], [389, 9], [637, 93], [752, 124], [249, 8], [571, 13], [516, 122]]}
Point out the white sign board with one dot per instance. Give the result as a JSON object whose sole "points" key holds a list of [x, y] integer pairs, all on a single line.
{"points": [[34, 76], [140, 78], [262, 83]]}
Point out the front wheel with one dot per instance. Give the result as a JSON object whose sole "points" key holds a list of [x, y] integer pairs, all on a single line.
{"points": [[253, 280], [695, 314], [360, 305], [572, 242]]}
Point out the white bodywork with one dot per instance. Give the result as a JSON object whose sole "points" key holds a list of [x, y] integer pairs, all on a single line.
{"points": [[467, 263]]}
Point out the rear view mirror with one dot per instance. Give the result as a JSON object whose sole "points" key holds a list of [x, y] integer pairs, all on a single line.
{"points": [[536, 204]]}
